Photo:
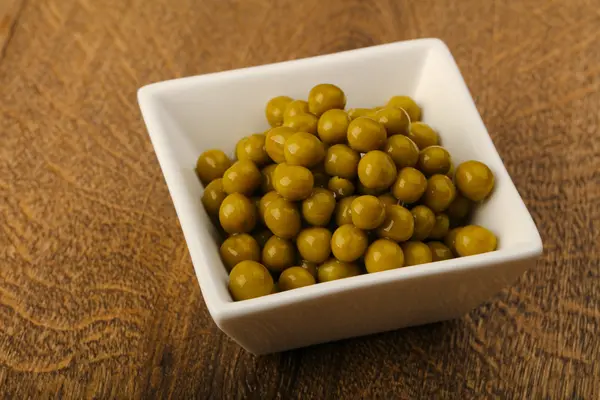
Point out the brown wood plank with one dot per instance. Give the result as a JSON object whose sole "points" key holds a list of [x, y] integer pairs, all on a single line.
{"points": [[98, 296], [9, 13]]}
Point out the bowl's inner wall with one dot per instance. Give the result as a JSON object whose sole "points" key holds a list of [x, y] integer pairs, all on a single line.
{"points": [[215, 111], [449, 108]]}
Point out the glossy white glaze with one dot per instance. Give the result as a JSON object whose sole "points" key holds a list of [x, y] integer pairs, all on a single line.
{"points": [[187, 116]]}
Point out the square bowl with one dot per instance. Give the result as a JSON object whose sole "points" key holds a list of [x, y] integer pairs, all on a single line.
{"points": [[187, 116]]}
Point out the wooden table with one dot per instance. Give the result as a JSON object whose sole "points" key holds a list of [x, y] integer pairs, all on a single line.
{"points": [[97, 293]]}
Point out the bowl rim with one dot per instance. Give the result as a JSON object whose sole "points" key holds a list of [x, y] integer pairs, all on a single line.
{"points": [[280, 299], [148, 90], [149, 102]]}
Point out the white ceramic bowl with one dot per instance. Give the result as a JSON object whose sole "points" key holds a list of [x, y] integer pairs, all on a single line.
{"points": [[186, 116]]}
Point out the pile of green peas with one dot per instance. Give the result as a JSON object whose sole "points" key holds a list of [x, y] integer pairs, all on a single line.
{"points": [[328, 193]]}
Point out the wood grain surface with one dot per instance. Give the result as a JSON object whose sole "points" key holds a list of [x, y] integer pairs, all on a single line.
{"points": [[98, 298]]}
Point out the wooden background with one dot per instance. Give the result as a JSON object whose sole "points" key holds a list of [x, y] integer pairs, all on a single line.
{"points": [[97, 293]]}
